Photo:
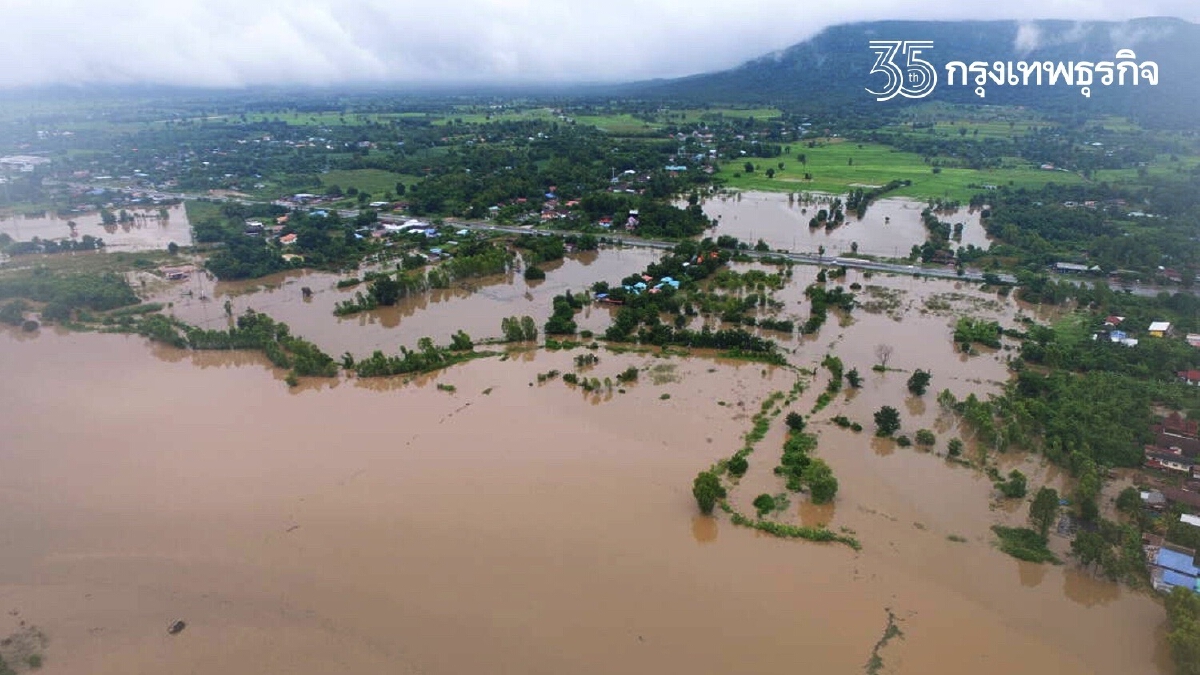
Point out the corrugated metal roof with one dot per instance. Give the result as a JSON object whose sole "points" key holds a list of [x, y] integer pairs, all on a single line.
{"points": [[1176, 579], [1179, 562]]}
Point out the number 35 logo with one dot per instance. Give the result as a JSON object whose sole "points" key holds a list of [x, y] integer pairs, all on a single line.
{"points": [[917, 77]]}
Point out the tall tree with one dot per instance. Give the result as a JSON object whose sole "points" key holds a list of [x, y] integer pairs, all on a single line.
{"points": [[1044, 510], [1088, 547], [1183, 612]]}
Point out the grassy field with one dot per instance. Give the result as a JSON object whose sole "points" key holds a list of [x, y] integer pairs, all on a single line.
{"points": [[325, 118], [91, 262], [477, 116], [622, 124], [701, 115], [838, 166], [198, 210], [375, 181], [974, 129], [618, 124], [613, 123]]}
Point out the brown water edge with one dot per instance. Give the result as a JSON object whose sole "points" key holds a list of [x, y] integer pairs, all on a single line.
{"points": [[146, 232], [890, 227], [476, 305], [528, 530]]}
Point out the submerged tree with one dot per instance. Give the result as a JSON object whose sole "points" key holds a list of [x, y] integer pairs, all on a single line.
{"points": [[887, 421], [853, 378], [919, 382], [883, 353], [822, 484], [1015, 486], [764, 504], [707, 490], [1044, 510]]}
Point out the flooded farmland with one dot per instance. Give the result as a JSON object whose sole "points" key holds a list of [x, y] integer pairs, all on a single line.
{"points": [[476, 306], [890, 227], [479, 520], [383, 528], [145, 231]]}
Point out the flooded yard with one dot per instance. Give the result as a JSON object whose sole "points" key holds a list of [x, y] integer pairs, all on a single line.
{"points": [[382, 528], [890, 227], [146, 231]]}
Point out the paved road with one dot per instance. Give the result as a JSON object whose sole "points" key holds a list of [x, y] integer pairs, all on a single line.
{"points": [[799, 258]]}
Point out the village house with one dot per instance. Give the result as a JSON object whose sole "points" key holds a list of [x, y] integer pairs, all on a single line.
{"points": [[177, 273], [1193, 339], [1122, 338], [1174, 424], [1189, 377], [1171, 565], [1168, 460], [22, 163], [1185, 498], [1153, 500], [1176, 445], [1160, 329], [1075, 268]]}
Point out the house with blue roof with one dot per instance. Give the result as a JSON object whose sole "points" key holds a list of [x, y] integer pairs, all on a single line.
{"points": [[1172, 566]]}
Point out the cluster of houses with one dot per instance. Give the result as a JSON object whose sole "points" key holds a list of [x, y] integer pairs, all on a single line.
{"points": [[258, 228], [1113, 332], [22, 163], [553, 208], [1166, 274], [643, 286], [1175, 448]]}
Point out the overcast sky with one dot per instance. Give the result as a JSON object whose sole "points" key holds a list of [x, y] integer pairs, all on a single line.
{"points": [[244, 42]]}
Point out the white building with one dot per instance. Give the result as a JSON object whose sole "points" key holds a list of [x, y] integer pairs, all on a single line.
{"points": [[25, 163]]}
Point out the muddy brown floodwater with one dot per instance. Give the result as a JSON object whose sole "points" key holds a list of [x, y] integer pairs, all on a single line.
{"points": [[890, 227], [145, 232], [476, 306], [532, 529]]}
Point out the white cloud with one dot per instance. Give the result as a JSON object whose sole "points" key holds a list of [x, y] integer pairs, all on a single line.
{"points": [[1028, 38], [241, 42]]}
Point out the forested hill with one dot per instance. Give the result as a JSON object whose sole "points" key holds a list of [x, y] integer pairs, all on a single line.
{"points": [[833, 69]]}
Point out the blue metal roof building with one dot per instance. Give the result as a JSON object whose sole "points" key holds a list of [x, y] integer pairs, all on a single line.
{"points": [[1175, 568]]}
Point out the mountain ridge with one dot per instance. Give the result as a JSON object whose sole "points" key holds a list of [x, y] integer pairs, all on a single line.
{"points": [[834, 67]]}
